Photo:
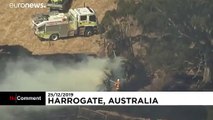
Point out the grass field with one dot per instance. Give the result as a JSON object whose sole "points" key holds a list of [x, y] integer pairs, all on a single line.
{"points": [[16, 28]]}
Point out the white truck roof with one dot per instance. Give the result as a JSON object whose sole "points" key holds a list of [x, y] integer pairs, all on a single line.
{"points": [[84, 11]]}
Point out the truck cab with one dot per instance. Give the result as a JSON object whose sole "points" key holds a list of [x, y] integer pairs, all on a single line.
{"points": [[86, 20]]}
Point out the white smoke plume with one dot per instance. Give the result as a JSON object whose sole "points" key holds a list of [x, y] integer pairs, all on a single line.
{"points": [[30, 74]]}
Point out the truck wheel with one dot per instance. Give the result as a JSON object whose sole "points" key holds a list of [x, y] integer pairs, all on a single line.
{"points": [[88, 32], [54, 37]]}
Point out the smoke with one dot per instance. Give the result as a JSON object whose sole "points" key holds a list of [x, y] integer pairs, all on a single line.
{"points": [[30, 74]]}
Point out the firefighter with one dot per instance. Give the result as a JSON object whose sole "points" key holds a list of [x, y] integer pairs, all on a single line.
{"points": [[117, 85]]}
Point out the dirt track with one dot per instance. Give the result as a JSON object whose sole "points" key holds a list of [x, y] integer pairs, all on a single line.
{"points": [[16, 28]]}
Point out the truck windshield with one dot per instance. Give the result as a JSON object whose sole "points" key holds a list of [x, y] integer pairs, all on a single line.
{"points": [[92, 18]]}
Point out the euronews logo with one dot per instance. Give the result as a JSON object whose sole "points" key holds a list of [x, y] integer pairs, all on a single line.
{"points": [[27, 5]]}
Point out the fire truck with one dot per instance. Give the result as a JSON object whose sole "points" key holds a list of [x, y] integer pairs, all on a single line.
{"points": [[55, 25], [58, 5]]}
